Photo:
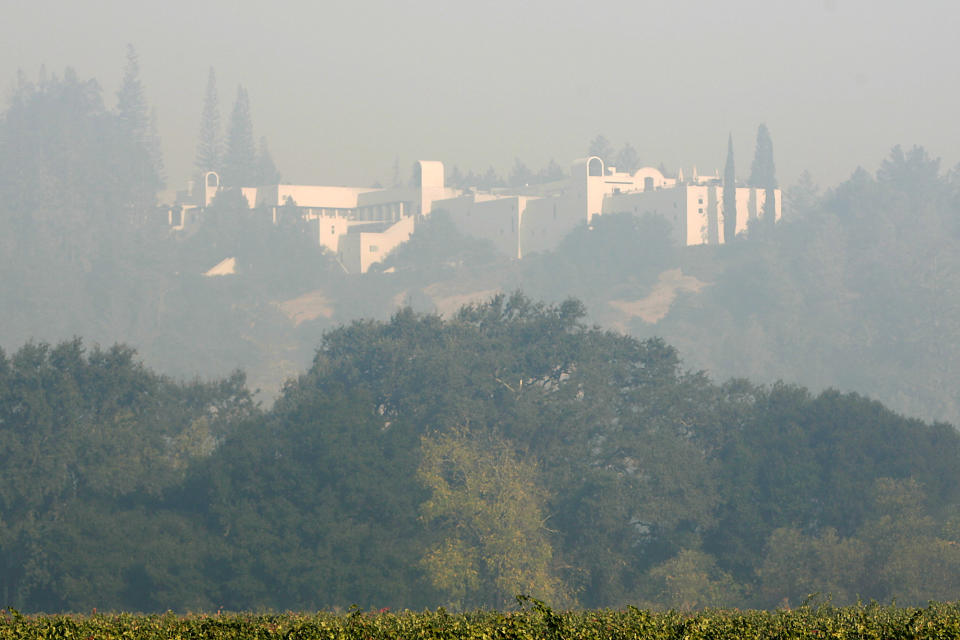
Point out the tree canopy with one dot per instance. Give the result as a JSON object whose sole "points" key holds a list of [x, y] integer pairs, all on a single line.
{"points": [[423, 460]]}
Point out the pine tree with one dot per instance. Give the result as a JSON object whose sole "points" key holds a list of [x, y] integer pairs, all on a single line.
{"points": [[153, 147], [132, 110], [601, 148], [209, 145], [455, 177], [551, 173], [139, 146], [520, 175], [239, 162], [729, 195], [803, 196], [266, 169], [627, 159]]}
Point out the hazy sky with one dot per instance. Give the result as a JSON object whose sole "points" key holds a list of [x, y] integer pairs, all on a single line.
{"points": [[341, 89]]}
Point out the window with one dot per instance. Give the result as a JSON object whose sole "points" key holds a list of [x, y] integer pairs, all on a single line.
{"points": [[700, 210], [333, 229], [700, 201], [374, 248]]}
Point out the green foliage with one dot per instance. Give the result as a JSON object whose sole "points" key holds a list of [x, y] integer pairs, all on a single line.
{"points": [[315, 507], [489, 513], [691, 580], [89, 440], [934, 621], [509, 447]]}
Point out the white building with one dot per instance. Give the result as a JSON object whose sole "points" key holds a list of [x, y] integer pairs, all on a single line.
{"points": [[537, 218], [362, 225]]}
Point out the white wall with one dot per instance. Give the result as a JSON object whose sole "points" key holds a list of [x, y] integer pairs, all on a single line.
{"points": [[361, 249], [688, 208], [329, 231], [547, 221], [494, 218], [667, 203], [250, 195], [311, 196]]}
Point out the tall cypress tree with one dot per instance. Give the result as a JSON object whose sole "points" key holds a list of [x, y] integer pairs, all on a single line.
{"points": [[240, 160], [209, 145], [729, 195], [763, 173]]}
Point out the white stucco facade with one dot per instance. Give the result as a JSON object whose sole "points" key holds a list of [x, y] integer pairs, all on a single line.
{"points": [[359, 249], [538, 218], [362, 225]]}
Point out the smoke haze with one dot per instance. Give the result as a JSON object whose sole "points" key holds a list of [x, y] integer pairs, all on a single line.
{"points": [[343, 89]]}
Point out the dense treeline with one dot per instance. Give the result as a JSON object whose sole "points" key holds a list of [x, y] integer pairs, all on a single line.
{"points": [[510, 449], [92, 441]]}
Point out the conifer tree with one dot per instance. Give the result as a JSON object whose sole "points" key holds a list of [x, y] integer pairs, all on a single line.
{"points": [[132, 109], [209, 145], [763, 172], [138, 142], [239, 162], [153, 147], [627, 159], [601, 148], [729, 195], [266, 169]]}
